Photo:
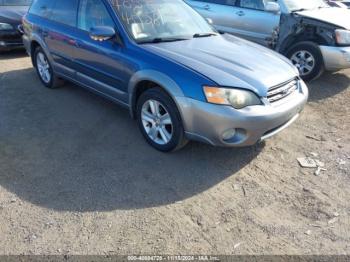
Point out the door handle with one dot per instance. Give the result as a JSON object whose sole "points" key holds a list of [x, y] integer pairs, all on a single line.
{"points": [[206, 7], [240, 13]]}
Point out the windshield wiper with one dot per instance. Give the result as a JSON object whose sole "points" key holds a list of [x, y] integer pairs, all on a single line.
{"points": [[305, 9], [204, 35], [162, 40]]}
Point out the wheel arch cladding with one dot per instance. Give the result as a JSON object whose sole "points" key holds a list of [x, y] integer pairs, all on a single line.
{"points": [[147, 79], [33, 46], [36, 41]]}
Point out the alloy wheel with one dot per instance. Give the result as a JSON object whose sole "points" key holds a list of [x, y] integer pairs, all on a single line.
{"points": [[43, 67], [157, 122], [304, 61]]}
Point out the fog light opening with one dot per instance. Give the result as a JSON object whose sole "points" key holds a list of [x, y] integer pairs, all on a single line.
{"points": [[228, 134]]}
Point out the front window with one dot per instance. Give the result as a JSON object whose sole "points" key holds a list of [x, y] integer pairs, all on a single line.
{"points": [[93, 13], [15, 2], [294, 5], [147, 20], [253, 4]]}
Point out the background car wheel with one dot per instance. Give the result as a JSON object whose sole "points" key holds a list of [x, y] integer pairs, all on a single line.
{"points": [[307, 57], [159, 121], [44, 70]]}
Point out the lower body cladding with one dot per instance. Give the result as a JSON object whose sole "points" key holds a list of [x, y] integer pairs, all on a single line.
{"points": [[225, 126], [335, 58], [10, 40]]}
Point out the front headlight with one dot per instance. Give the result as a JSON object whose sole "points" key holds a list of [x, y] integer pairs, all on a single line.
{"points": [[4, 26], [342, 36], [238, 98]]}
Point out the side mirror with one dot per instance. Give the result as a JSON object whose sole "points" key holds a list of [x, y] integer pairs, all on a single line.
{"points": [[272, 7], [102, 33]]}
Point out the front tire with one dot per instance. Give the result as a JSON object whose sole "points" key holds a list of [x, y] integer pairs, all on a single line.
{"points": [[44, 69], [307, 57], [159, 121]]}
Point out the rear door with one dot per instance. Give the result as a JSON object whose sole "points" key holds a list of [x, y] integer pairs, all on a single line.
{"points": [[256, 24], [58, 34], [221, 12]]}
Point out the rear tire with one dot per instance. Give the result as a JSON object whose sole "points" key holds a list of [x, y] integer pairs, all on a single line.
{"points": [[307, 57], [159, 121], [45, 71]]}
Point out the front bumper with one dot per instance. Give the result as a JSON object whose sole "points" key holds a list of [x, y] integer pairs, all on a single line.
{"points": [[208, 122], [336, 58], [10, 40]]}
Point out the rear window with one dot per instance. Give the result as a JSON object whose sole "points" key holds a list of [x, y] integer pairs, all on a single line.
{"points": [[61, 11]]}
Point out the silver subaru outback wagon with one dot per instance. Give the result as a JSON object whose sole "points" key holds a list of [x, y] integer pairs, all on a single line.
{"points": [[160, 59]]}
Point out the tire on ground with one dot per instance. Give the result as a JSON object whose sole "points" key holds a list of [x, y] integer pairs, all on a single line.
{"points": [[315, 51], [178, 139], [55, 81]]}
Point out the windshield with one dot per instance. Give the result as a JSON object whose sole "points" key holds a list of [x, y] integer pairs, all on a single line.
{"points": [[15, 2], [294, 5], [148, 20]]}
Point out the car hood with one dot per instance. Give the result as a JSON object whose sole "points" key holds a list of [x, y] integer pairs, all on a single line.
{"points": [[336, 16], [13, 14], [229, 61]]}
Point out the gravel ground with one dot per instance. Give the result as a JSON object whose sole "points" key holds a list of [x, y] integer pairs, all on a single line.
{"points": [[76, 177]]}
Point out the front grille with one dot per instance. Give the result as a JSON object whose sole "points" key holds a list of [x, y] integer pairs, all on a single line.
{"points": [[279, 92]]}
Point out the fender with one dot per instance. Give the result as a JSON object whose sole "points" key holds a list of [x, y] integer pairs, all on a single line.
{"points": [[168, 84], [295, 28]]}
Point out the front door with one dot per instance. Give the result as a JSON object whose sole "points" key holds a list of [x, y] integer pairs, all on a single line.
{"points": [[99, 65]]}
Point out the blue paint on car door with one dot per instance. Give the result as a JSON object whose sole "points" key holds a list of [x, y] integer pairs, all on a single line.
{"points": [[59, 37], [101, 65]]}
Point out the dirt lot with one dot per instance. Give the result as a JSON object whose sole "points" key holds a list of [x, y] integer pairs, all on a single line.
{"points": [[76, 177]]}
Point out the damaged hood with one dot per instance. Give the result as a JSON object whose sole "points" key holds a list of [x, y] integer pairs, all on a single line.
{"points": [[332, 15], [229, 61]]}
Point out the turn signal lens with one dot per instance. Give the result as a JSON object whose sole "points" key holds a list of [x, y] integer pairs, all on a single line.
{"points": [[342, 36], [215, 95]]}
